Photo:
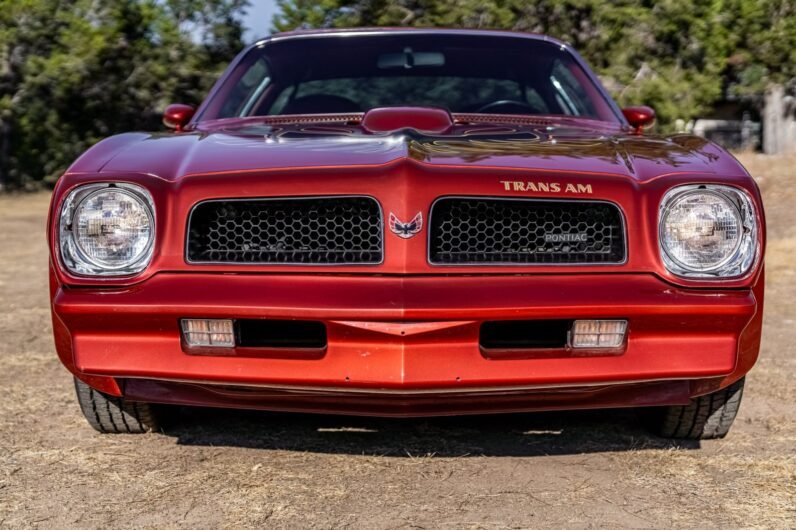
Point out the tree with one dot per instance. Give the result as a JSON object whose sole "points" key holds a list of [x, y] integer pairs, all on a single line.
{"points": [[680, 56], [763, 47], [75, 71]]}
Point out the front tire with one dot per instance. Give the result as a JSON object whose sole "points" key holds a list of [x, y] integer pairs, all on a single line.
{"points": [[706, 417], [108, 414]]}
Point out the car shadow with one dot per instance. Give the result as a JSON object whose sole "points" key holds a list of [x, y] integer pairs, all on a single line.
{"points": [[537, 434]]}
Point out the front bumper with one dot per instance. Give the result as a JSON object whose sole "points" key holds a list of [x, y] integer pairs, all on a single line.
{"points": [[406, 335]]}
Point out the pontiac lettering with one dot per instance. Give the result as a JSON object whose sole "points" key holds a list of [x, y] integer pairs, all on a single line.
{"points": [[566, 238]]}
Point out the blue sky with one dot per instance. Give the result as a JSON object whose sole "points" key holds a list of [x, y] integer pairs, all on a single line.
{"points": [[258, 18]]}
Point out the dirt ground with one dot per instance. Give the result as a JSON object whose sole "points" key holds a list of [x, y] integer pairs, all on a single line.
{"points": [[241, 469]]}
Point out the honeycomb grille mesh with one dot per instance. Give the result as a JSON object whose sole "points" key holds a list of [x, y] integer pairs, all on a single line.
{"points": [[313, 231], [495, 231]]}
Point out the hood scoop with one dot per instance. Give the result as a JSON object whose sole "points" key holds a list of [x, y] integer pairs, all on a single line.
{"points": [[423, 119]]}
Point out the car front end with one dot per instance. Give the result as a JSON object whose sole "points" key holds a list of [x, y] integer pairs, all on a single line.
{"points": [[391, 262]]}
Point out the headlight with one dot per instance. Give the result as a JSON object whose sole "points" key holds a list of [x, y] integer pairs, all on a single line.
{"points": [[107, 230], [708, 231]]}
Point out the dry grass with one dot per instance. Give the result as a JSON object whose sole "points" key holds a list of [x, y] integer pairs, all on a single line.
{"points": [[230, 469]]}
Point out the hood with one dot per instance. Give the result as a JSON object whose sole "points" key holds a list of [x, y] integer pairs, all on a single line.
{"points": [[249, 147]]}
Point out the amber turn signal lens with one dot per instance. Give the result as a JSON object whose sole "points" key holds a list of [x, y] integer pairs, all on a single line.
{"points": [[208, 333], [598, 333]]}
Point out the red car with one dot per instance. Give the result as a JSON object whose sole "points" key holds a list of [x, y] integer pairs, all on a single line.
{"points": [[408, 223]]}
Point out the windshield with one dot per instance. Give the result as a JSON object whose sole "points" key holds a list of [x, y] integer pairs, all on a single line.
{"points": [[461, 73]]}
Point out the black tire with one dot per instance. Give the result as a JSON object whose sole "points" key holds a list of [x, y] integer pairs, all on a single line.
{"points": [[108, 414], [706, 417]]}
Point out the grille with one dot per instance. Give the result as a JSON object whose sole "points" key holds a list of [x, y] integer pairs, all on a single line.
{"points": [[313, 231], [484, 231]]}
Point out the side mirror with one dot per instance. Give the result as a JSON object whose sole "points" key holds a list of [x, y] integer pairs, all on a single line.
{"points": [[639, 117], [177, 116]]}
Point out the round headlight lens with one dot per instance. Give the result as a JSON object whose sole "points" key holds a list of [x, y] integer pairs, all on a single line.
{"points": [[113, 228], [107, 229], [701, 230], [708, 231]]}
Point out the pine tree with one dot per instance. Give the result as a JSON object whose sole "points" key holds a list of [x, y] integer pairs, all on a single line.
{"points": [[75, 71]]}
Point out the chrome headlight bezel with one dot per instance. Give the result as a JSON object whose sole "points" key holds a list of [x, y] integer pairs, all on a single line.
{"points": [[746, 252], [74, 259]]}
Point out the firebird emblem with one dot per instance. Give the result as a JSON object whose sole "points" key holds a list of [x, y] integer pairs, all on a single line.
{"points": [[406, 230]]}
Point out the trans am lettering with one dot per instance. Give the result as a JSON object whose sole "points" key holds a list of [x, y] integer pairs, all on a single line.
{"points": [[545, 187]]}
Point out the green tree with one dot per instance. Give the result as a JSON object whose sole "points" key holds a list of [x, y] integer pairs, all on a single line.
{"points": [[680, 56], [763, 47], [75, 71]]}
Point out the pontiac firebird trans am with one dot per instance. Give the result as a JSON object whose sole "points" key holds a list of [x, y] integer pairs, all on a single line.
{"points": [[408, 223]]}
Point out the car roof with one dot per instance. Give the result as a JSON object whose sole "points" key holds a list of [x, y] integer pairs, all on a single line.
{"points": [[304, 33]]}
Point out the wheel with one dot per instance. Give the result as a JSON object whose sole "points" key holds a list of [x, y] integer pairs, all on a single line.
{"points": [[706, 417], [108, 414]]}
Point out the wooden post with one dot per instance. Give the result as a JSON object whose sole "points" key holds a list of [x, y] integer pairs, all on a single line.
{"points": [[5, 153], [779, 122]]}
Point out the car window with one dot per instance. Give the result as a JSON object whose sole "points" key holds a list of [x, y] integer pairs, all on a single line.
{"points": [[460, 93], [535, 100], [246, 92], [461, 73], [570, 94]]}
